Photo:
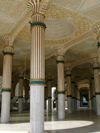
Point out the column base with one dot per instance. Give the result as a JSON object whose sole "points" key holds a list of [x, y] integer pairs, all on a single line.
{"points": [[49, 105], [69, 99], [36, 109], [65, 103], [20, 105], [61, 106], [90, 104], [98, 104], [78, 103], [73, 106], [5, 108]]}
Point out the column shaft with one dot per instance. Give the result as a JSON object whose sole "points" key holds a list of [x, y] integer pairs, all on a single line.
{"points": [[93, 92], [6, 84], [20, 97], [97, 84], [73, 95], [37, 74], [69, 92], [49, 85], [61, 91], [75, 91], [89, 99]]}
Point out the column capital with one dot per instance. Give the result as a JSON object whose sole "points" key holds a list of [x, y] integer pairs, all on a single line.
{"points": [[95, 60], [67, 69], [49, 78], [60, 59], [93, 56], [8, 50], [38, 6], [60, 51], [7, 39], [72, 79], [21, 76]]}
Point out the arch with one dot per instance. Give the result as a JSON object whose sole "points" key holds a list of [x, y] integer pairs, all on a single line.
{"points": [[17, 90]]}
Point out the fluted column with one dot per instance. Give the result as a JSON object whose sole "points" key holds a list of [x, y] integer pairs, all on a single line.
{"points": [[97, 83], [6, 84], [20, 97], [37, 65], [49, 86], [61, 88], [69, 92]]}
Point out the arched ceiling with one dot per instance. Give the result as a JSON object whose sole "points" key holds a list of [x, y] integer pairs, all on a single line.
{"points": [[68, 24]]}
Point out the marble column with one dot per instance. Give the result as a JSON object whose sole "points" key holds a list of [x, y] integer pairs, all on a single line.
{"points": [[93, 92], [73, 94], [65, 95], [69, 92], [20, 97], [61, 88], [97, 83], [6, 84], [49, 86], [37, 66]]}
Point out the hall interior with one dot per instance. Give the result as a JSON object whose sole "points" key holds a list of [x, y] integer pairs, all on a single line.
{"points": [[49, 65]]}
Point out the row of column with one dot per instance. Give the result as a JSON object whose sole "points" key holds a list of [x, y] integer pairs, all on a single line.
{"points": [[37, 77]]}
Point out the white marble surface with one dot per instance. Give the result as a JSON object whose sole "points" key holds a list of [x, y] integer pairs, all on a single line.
{"points": [[49, 105], [98, 104], [5, 108], [69, 99], [61, 106], [81, 121], [20, 105], [36, 109]]}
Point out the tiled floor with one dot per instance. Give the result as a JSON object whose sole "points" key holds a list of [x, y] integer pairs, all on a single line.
{"points": [[81, 121]]}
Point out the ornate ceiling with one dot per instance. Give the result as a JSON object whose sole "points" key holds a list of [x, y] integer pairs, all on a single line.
{"points": [[69, 27]]}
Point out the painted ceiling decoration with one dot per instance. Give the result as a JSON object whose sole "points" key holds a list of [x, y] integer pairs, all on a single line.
{"points": [[70, 26]]}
